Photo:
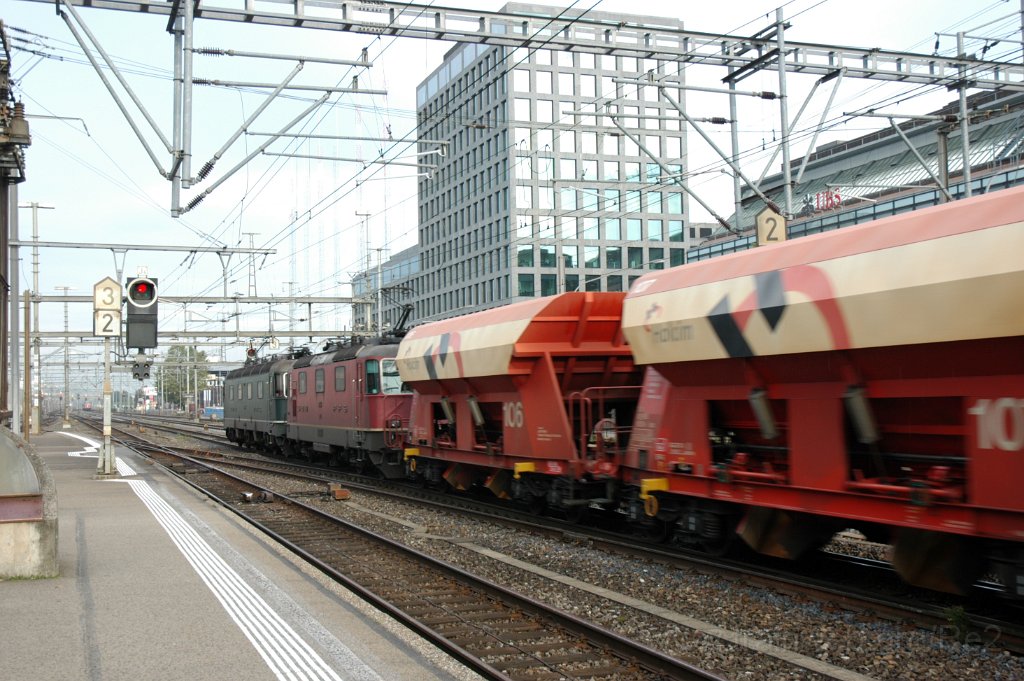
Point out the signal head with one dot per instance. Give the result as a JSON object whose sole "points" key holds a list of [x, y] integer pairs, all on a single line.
{"points": [[142, 292]]}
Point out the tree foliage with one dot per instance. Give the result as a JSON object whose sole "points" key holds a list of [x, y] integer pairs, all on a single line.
{"points": [[176, 376]]}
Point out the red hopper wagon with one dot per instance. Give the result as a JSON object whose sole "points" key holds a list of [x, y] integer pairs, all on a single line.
{"points": [[868, 378], [532, 400]]}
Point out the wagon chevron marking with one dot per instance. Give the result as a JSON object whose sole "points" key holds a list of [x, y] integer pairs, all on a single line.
{"points": [[769, 299], [448, 346], [728, 330]]}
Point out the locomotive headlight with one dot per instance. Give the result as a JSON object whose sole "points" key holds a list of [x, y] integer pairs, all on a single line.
{"points": [[394, 423]]}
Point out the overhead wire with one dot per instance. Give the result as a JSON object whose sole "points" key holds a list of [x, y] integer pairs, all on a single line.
{"points": [[513, 242], [467, 172]]}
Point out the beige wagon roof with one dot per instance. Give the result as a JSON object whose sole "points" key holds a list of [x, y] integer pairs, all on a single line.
{"points": [[953, 272], [484, 343]]}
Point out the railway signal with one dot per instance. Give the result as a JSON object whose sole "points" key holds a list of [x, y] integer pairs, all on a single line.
{"points": [[140, 368], [141, 315]]}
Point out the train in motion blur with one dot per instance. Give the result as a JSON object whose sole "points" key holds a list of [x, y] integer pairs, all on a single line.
{"points": [[870, 378]]}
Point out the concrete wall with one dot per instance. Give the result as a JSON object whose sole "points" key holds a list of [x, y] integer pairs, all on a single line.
{"points": [[28, 512]]}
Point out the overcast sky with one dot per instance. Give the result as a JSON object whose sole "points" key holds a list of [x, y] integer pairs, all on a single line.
{"points": [[87, 163]]}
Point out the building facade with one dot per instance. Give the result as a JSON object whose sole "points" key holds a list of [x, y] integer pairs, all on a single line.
{"points": [[380, 294], [881, 174], [544, 176]]}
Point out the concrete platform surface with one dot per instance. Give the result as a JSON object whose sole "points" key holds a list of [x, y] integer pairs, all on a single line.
{"points": [[158, 583]]}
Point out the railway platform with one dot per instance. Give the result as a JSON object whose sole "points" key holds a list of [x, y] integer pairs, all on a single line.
{"points": [[156, 582]]}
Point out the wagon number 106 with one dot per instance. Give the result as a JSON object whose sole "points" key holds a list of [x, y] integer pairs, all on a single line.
{"points": [[1000, 423], [513, 414]]}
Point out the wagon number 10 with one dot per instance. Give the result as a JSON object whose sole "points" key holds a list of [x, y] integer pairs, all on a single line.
{"points": [[513, 414], [1000, 423]]}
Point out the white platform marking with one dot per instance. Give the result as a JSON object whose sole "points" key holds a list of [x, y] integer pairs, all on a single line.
{"points": [[289, 657]]}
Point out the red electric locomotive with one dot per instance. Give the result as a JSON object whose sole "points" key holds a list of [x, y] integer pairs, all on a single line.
{"points": [[348, 405]]}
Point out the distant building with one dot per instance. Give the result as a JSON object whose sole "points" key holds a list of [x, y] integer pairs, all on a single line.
{"points": [[878, 175], [397, 275], [534, 191]]}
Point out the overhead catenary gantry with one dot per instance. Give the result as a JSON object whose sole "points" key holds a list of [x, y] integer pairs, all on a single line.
{"points": [[223, 252], [531, 27]]}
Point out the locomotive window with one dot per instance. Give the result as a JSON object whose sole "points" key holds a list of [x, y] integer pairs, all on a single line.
{"points": [[302, 382], [319, 380], [259, 391], [282, 383], [372, 377], [339, 379], [248, 391], [392, 381]]}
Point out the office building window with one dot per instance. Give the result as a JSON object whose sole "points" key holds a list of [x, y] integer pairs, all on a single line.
{"points": [[653, 202], [612, 229], [567, 170], [633, 201], [572, 282], [675, 230], [634, 229], [548, 284], [521, 80], [568, 197], [593, 283], [656, 258], [677, 256], [547, 256], [613, 257], [675, 204], [654, 230], [614, 282], [635, 257], [565, 84], [524, 256], [592, 257], [611, 199], [547, 227], [526, 285], [570, 256], [544, 82], [570, 228]]}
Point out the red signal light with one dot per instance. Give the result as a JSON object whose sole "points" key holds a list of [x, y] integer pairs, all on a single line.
{"points": [[142, 292]]}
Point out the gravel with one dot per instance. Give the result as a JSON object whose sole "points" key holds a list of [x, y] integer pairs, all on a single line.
{"points": [[856, 642]]}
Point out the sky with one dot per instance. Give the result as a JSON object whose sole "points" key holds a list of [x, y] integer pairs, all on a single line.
{"points": [[88, 165]]}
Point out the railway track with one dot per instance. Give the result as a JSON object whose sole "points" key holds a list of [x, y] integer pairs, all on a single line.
{"points": [[496, 632], [894, 604], [887, 596]]}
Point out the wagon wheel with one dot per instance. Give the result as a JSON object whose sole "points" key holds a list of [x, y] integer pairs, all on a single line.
{"points": [[658, 530], [576, 514], [718, 546], [537, 504]]}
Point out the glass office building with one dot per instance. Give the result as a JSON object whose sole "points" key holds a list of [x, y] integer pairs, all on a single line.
{"points": [[546, 171]]}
